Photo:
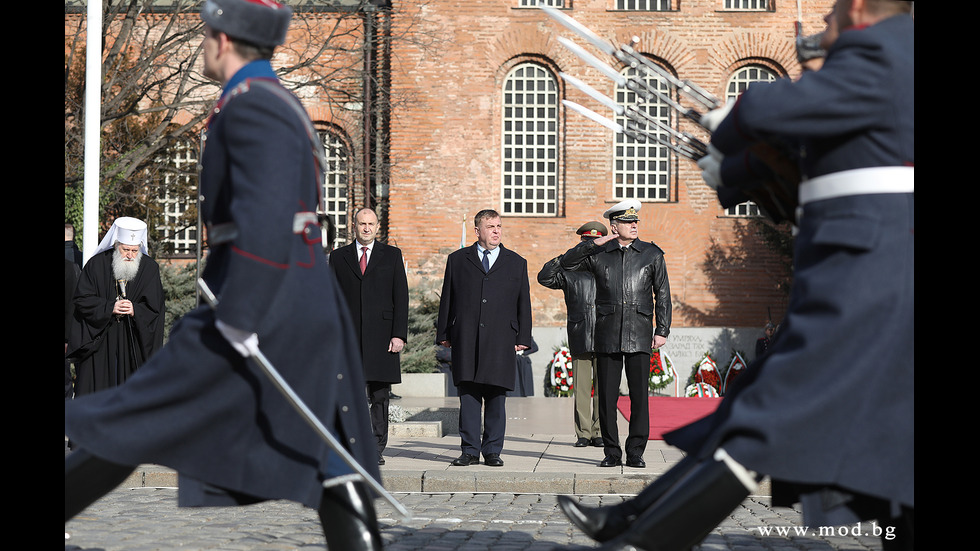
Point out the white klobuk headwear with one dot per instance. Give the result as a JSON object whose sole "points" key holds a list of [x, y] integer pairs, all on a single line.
{"points": [[126, 230]]}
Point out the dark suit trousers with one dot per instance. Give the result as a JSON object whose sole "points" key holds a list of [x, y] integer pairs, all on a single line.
{"points": [[609, 369], [378, 395], [474, 397]]}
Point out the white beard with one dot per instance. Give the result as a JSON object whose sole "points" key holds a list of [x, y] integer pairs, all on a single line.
{"points": [[124, 269]]}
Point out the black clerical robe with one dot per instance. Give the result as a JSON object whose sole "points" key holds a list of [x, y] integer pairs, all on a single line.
{"points": [[107, 348]]}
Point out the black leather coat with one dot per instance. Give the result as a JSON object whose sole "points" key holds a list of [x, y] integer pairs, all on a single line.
{"points": [[627, 279], [579, 290]]}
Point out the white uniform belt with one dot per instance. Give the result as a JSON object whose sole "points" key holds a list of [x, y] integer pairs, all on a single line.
{"points": [[859, 181], [303, 219]]}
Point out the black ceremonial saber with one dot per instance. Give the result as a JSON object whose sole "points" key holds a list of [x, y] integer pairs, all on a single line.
{"points": [[259, 359]]}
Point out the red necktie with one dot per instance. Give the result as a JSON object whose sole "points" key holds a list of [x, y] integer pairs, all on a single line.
{"points": [[363, 259]]}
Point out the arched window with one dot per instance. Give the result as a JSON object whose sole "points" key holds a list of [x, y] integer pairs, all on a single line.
{"points": [[530, 142], [641, 170], [335, 184], [737, 84]]}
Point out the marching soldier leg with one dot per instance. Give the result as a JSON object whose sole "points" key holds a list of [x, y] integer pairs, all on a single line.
{"points": [[605, 523], [691, 508], [348, 518]]}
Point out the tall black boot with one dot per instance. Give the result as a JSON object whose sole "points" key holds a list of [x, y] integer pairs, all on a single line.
{"points": [[605, 523], [348, 518], [688, 512], [87, 478]]}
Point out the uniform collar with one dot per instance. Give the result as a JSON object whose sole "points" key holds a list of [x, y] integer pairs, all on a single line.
{"points": [[260, 68]]}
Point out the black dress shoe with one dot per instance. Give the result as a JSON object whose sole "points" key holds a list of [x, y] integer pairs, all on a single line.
{"points": [[381, 460], [582, 442], [610, 461], [466, 460], [393, 396], [635, 461], [493, 460], [597, 442], [599, 523]]}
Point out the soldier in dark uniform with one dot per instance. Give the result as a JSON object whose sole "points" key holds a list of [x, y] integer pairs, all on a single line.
{"points": [[579, 291], [828, 413], [632, 317], [198, 406]]}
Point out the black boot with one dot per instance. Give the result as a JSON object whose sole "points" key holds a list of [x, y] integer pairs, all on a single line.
{"points": [[87, 478], [605, 523], [898, 534], [688, 512], [348, 518]]}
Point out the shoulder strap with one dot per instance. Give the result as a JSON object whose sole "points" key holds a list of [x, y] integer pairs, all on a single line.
{"points": [[273, 86], [319, 158]]}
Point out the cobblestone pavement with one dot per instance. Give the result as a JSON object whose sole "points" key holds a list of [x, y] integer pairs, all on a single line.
{"points": [[147, 519]]}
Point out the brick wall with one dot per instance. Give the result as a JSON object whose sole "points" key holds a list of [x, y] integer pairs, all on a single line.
{"points": [[446, 152]]}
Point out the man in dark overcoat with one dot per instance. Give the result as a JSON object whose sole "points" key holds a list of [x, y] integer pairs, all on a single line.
{"points": [[485, 318], [372, 278], [828, 412], [633, 313], [579, 291], [118, 309], [199, 406]]}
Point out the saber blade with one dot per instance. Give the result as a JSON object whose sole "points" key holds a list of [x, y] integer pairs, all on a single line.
{"points": [[594, 61], [579, 29], [592, 115], [593, 93]]}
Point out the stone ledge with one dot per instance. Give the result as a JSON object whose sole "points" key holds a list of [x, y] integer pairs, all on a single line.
{"points": [[415, 429], [439, 481]]}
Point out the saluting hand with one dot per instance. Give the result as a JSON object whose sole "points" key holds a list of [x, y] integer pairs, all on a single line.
{"points": [[606, 238]]}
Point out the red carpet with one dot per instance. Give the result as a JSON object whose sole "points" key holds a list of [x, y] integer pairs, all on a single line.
{"points": [[668, 413]]}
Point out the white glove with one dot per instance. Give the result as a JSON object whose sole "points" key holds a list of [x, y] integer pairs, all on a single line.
{"points": [[713, 118], [245, 343], [710, 166]]}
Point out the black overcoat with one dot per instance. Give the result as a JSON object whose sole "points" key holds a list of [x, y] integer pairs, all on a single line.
{"points": [[378, 303], [484, 315], [197, 406]]}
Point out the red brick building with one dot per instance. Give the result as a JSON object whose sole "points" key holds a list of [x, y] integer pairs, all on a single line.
{"points": [[476, 121], [475, 136]]}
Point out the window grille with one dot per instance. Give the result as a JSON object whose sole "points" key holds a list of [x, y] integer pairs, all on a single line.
{"points": [[643, 5], [536, 3], [747, 5], [737, 84], [178, 191], [641, 170], [335, 184], [530, 142]]}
